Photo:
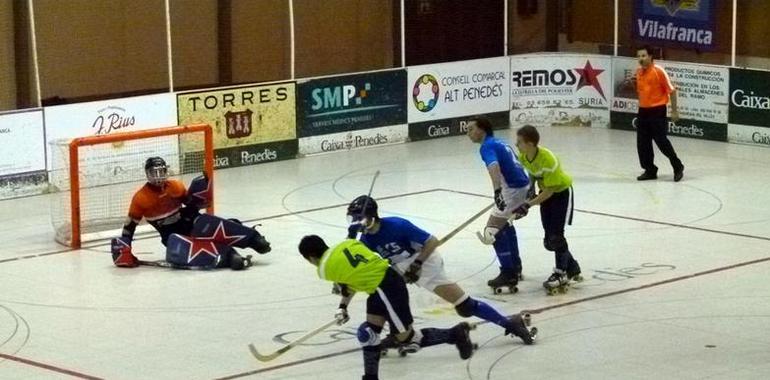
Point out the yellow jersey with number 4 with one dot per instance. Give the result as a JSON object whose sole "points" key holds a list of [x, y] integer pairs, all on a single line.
{"points": [[546, 169], [352, 264]]}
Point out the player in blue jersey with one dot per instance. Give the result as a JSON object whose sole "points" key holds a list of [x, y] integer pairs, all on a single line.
{"points": [[510, 183], [411, 251]]}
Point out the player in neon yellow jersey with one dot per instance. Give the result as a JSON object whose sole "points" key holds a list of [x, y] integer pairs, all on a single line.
{"points": [[555, 200], [350, 263]]}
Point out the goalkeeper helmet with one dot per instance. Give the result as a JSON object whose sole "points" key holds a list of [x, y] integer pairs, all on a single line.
{"points": [[362, 207], [156, 170]]}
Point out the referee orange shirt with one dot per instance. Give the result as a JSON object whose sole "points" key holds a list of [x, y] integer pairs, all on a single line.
{"points": [[653, 86]]}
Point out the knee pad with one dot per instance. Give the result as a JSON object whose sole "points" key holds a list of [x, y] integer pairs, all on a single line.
{"points": [[488, 237], [368, 334], [504, 238], [466, 308], [555, 243]]}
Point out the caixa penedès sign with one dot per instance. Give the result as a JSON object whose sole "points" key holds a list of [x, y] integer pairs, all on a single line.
{"points": [[749, 99]]}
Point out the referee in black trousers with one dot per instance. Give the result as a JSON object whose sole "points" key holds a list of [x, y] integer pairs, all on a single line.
{"points": [[655, 90]]}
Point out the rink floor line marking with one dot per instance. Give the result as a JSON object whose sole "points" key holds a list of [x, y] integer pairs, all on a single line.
{"points": [[532, 311], [650, 285], [635, 219], [49, 367], [154, 235], [701, 229]]}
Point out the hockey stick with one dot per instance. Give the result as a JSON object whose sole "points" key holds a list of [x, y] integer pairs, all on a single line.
{"points": [[166, 264], [160, 264], [374, 179], [366, 202], [290, 345], [465, 224]]}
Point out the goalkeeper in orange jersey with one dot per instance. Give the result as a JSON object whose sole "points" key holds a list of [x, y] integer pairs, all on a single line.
{"points": [[191, 239]]}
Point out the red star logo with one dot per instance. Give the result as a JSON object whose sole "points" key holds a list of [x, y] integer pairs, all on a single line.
{"points": [[220, 236], [205, 194], [589, 77], [200, 246]]}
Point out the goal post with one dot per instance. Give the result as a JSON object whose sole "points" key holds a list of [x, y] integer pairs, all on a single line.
{"points": [[96, 176]]}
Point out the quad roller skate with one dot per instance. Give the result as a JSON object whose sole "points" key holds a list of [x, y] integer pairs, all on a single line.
{"points": [[560, 280], [573, 273], [238, 262], [520, 327], [391, 343], [463, 341], [506, 279]]}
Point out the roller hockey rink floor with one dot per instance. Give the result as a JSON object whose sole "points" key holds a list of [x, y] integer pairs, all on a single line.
{"points": [[676, 274]]}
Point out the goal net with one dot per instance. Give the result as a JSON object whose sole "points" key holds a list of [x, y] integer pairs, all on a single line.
{"points": [[95, 177]]}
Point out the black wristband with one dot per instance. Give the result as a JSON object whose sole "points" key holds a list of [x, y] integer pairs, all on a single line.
{"points": [[342, 306], [418, 262]]}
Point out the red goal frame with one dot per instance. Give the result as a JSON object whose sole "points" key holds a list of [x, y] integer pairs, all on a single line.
{"points": [[77, 143]]}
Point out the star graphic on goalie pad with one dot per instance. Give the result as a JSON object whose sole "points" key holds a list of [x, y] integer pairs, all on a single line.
{"points": [[200, 246], [221, 236], [204, 195]]}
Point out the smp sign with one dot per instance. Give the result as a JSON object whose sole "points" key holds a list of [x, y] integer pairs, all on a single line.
{"points": [[351, 102]]}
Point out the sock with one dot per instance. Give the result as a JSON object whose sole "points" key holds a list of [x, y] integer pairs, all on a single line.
{"points": [[503, 249], [486, 312], [433, 336], [513, 243], [372, 360]]}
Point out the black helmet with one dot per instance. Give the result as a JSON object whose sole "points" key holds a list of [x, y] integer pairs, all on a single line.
{"points": [[312, 246], [156, 170], [363, 206]]}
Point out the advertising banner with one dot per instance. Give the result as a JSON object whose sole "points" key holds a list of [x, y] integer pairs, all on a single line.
{"points": [[686, 24], [452, 127], [108, 116], [246, 121], [22, 142], [353, 139], [683, 127], [351, 102], [457, 89], [750, 97], [748, 134], [702, 90], [561, 90]]}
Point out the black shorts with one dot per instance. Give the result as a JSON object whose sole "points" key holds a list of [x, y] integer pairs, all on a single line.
{"points": [[391, 300]]}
